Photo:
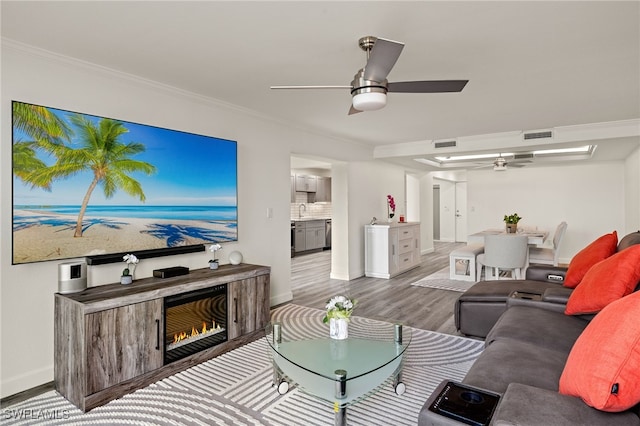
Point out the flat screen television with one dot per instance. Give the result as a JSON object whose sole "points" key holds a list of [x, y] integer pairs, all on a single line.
{"points": [[85, 185]]}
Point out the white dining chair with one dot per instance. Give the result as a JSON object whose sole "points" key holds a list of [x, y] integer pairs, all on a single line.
{"points": [[503, 252], [549, 256]]}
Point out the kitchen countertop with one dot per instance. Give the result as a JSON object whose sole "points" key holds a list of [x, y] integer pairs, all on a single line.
{"points": [[307, 219]]}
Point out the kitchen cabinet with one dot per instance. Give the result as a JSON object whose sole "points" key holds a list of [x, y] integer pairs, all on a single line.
{"points": [[315, 235], [309, 235], [323, 190], [300, 239], [391, 249], [305, 183]]}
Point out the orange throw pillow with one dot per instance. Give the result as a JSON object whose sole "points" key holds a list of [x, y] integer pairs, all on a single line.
{"points": [[603, 367], [598, 250], [607, 281]]}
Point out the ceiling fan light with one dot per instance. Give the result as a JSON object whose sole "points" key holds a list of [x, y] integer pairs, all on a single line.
{"points": [[369, 101]]}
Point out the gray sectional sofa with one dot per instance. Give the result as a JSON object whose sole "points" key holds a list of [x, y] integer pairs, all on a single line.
{"points": [[527, 342]]}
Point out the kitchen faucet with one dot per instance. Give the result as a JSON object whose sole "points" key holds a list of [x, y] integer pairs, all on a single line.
{"points": [[301, 208]]}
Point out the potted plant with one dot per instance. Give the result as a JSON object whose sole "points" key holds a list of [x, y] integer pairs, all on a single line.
{"points": [[127, 273], [213, 263], [512, 222], [391, 207], [126, 277]]}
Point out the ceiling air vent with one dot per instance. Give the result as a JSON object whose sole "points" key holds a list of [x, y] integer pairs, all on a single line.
{"points": [[538, 135], [525, 156], [446, 144]]}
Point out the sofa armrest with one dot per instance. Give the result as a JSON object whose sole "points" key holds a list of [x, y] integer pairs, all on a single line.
{"points": [[536, 303], [557, 295], [551, 274], [528, 405]]}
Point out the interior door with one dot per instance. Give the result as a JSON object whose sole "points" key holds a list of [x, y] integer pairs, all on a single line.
{"points": [[461, 212]]}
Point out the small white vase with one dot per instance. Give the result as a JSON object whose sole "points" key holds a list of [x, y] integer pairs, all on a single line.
{"points": [[338, 328], [126, 279], [213, 265]]}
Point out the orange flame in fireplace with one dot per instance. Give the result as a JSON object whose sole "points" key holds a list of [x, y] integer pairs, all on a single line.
{"points": [[177, 337]]}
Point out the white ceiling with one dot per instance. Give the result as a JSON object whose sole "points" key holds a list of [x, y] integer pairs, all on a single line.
{"points": [[530, 65]]}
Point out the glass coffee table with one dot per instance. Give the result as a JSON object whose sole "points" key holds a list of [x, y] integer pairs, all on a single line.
{"points": [[341, 372]]}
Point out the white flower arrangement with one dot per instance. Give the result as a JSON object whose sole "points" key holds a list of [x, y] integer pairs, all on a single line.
{"points": [[339, 307], [213, 249], [131, 261]]}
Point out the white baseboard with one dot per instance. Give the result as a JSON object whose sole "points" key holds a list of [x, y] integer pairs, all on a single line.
{"points": [[341, 277], [23, 382], [279, 299]]}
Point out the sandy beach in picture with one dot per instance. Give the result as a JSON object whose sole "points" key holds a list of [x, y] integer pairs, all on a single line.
{"points": [[39, 235]]}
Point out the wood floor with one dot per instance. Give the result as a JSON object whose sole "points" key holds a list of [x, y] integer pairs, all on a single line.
{"points": [[395, 298]]}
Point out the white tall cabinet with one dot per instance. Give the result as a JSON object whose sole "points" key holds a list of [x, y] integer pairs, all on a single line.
{"points": [[391, 249]]}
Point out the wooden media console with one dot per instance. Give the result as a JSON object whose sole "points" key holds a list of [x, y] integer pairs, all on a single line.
{"points": [[110, 340]]}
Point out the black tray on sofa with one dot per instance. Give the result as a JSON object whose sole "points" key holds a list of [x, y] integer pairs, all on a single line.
{"points": [[465, 404]]}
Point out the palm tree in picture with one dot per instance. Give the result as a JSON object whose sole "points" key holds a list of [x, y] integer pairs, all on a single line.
{"points": [[46, 132], [107, 158]]}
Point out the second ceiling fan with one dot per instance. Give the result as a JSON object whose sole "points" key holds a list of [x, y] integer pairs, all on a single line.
{"points": [[370, 86]]}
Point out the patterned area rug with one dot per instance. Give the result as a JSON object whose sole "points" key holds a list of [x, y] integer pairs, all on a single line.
{"points": [[236, 389], [441, 281]]}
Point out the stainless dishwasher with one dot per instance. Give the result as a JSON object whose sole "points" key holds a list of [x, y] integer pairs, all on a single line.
{"points": [[293, 238], [327, 234]]}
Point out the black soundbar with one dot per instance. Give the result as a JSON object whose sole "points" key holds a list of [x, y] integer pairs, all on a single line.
{"points": [[103, 259], [174, 271]]}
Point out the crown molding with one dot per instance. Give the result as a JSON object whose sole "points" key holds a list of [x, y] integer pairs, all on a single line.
{"points": [[75, 63]]}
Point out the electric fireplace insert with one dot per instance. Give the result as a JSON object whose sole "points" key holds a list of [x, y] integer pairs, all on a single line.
{"points": [[194, 321]]}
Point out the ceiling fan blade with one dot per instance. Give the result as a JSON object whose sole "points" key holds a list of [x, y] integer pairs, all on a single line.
{"points": [[352, 110], [310, 87], [433, 86], [382, 58]]}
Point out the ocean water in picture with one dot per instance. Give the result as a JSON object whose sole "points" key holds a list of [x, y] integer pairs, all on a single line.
{"points": [[227, 213]]}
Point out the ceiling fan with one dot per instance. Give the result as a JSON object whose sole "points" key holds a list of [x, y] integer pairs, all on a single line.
{"points": [[370, 86], [500, 163]]}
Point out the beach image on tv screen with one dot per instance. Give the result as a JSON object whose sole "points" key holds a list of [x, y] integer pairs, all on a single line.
{"points": [[85, 185]]}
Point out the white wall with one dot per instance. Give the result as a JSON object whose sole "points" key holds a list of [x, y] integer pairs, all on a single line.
{"points": [[590, 198], [412, 197], [340, 221], [632, 191], [369, 184], [264, 149]]}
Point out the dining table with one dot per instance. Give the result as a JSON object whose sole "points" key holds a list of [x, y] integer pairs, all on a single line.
{"points": [[535, 237]]}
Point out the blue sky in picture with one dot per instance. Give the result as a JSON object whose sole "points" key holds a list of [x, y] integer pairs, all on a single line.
{"points": [[191, 170]]}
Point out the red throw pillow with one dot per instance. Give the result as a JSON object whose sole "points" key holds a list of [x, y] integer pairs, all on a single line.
{"points": [[598, 250], [605, 282], [603, 367]]}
